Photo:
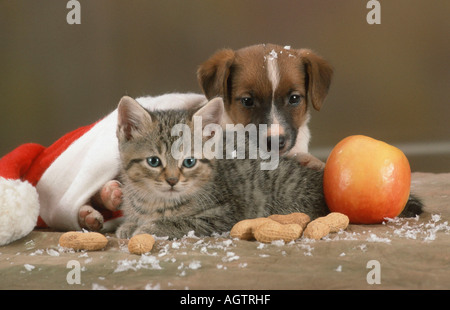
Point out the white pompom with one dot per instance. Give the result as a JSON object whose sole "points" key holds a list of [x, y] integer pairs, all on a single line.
{"points": [[19, 209]]}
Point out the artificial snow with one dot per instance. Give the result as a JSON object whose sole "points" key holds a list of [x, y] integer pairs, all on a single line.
{"points": [[230, 256], [194, 265], [375, 238], [52, 252], [153, 287], [272, 55], [29, 267], [37, 252], [98, 287], [278, 242], [412, 229], [144, 262]]}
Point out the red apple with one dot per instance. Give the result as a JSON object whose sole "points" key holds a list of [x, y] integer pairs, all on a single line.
{"points": [[366, 179]]}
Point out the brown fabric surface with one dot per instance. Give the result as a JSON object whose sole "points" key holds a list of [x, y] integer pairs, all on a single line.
{"points": [[412, 254]]}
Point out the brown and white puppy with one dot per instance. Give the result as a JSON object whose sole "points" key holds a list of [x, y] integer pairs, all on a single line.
{"points": [[270, 84]]}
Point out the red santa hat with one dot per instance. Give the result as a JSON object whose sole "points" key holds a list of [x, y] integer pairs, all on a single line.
{"points": [[44, 187]]}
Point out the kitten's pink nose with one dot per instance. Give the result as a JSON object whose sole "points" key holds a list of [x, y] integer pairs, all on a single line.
{"points": [[172, 181]]}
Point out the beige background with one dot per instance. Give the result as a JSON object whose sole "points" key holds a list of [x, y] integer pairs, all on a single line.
{"points": [[391, 79]]}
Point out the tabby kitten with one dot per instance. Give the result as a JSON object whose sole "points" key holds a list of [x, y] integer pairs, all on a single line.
{"points": [[165, 196]]}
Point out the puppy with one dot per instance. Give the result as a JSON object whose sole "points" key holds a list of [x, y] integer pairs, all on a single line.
{"points": [[270, 84]]}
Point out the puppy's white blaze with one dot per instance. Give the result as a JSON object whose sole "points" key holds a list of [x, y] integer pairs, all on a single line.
{"points": [[273, 72], [274, 115], [274, 118]]}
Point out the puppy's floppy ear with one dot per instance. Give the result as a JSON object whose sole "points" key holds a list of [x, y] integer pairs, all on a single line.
{"points": [[318, 77], [213, 74], [131, 118]]}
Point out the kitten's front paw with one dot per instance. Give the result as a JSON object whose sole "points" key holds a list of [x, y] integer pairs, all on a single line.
{"points": [[126, 230], [145, 229], [111, 195]]}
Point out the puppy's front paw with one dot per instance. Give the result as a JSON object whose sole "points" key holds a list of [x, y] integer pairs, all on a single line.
{"points": [[308, 160]]}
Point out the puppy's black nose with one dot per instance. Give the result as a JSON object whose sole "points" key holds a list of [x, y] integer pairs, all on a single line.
{"points": [[281, 142]]}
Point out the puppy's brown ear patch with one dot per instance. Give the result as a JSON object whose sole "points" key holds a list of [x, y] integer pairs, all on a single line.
{"points": [[213, 73], [319, 74]]}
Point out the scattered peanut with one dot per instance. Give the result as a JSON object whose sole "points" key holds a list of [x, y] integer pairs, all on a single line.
{"points": [[322, 226], [245, 229], [336, 221], [294, 218], [271, 231], [288, 227], [316, 230], [140, 244], [90, 241]]}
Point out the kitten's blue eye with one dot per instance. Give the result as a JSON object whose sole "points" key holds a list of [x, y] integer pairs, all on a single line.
{"points": [[189, 162], [153, 161]]}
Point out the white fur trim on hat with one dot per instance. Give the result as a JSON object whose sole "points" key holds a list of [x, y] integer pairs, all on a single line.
{"points": [[19, 209]]}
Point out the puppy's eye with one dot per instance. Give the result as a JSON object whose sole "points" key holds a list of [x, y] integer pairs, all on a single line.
{"points": [[189, 162], [294, 100], [247, 102], [153, 161]]}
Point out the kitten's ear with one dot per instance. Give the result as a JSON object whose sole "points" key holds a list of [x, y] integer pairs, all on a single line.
{"points": [[131, 118], [212, 112]]}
